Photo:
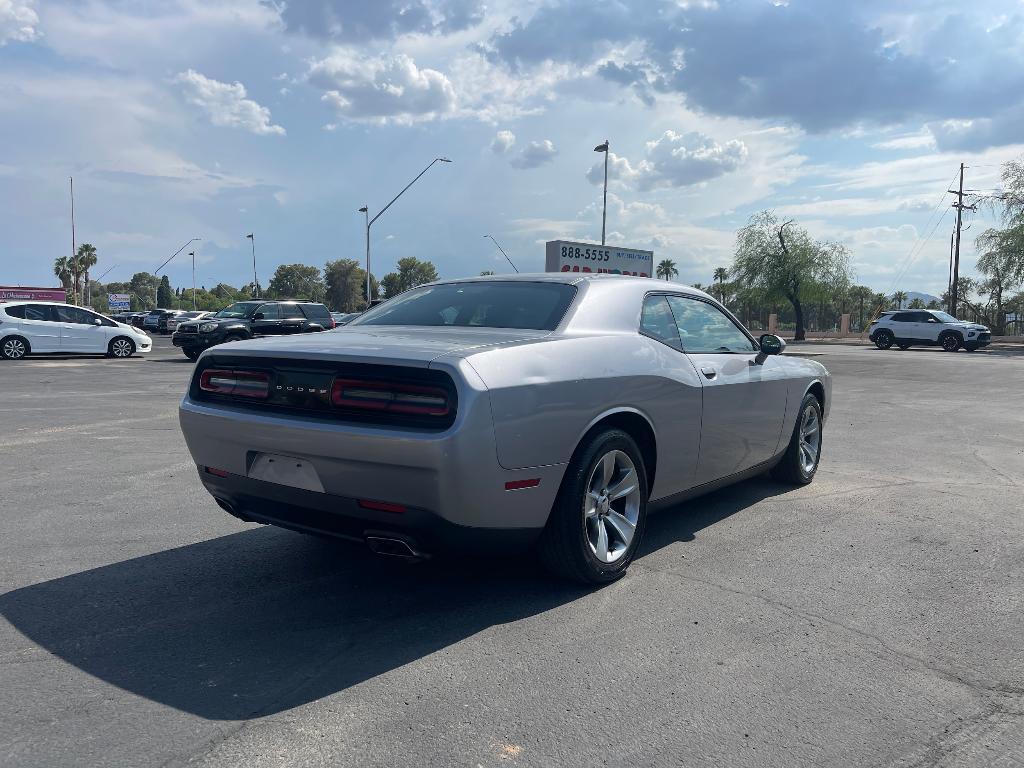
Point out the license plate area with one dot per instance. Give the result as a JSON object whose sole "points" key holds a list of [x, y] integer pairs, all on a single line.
{"points": [[292, 471]]}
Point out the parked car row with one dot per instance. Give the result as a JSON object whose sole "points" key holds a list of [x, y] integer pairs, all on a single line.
{"points": [[248, 319], [45, 327]]}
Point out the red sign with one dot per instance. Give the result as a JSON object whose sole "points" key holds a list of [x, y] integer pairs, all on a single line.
{"points": [[15, 293]]}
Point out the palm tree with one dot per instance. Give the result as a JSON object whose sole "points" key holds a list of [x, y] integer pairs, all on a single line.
{"points": [[667, 269], [84, 259], [62, 271], [721, 273], [898, 298]]}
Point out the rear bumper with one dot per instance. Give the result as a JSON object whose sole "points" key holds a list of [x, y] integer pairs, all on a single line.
{"points": [[447, 477], [424, 532]]}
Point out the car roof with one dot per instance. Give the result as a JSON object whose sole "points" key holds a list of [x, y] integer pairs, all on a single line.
{"points": [[576, 278]]}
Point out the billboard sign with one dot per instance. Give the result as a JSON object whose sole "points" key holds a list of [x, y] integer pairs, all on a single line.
{"points": [[119, 302], [17, 293], [570, 256]]}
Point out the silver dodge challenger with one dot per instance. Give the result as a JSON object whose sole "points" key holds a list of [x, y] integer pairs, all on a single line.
{"points": [[549, 411]]}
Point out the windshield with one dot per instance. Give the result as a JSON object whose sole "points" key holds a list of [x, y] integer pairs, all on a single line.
{"points": [[239, 309], [945, 317], [483, 304]]}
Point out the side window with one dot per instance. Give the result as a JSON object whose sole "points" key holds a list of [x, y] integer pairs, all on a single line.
{"points": [[75, 315], [315, 311], [18, 312], [704, 328], [902, 317], [656, 320], [270, 311], [922, 317], [290, 311], [35, 312]]}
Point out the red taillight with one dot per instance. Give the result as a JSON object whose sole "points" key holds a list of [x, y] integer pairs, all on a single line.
{"points": [[252, 384], [217, 472], [390, 397], [380, 506]]}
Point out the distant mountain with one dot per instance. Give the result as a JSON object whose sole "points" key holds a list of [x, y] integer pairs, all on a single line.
{"points": [[925, 297]]}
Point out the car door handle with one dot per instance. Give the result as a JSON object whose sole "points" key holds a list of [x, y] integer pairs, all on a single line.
{"points": [[708, 371]]}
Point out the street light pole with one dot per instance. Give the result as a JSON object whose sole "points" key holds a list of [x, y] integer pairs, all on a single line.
{"points": [[255, 280], [604, 207], [156, 272], [369, 222], [502, 252], [193, 255]]}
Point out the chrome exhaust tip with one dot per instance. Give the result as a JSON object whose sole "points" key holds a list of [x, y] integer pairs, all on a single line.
{"points": [[385, 545]]}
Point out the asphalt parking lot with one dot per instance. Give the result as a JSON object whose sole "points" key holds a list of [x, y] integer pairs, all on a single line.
{"points": [[873, 618]]}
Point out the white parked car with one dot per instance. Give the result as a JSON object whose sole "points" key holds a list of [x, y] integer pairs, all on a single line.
{"points": [[39, 327], [175, 320], [927, 327]]}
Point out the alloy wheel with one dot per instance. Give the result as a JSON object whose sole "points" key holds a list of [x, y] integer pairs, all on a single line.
{"points": [[122, 348], [14, 349], [810, 439], [611, 507]]}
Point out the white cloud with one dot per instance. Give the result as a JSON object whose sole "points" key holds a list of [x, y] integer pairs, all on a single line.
{"points": [[385, 89], [535, 154], [226, 104], [908, 141], [18, 21], [503, 142], [675, 160]]}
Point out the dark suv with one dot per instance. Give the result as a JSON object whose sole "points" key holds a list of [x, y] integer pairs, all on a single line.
{"points": [[248, 319]]}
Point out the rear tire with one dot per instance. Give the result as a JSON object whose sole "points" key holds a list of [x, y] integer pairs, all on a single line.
{"points": [[14, 347], [883, 339], [950, 342], [598, 518], [121, 347], [803, 455]]}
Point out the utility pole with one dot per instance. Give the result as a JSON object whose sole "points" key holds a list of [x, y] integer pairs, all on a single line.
{"points": [[959, 205], [604, 208], [74, 288], [193, 255]]}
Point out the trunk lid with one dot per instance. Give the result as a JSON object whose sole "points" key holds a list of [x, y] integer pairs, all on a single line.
{"points": [[381, 344]]}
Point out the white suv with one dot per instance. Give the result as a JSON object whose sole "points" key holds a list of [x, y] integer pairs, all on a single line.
{"points": [[43, 326], [927, 327]]}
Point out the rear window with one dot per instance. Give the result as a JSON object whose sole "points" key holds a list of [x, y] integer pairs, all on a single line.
{"points": [[29, 312], [315, 311], [484, 304]]}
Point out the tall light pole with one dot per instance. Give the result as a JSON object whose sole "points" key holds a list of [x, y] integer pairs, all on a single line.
{"points": [[604, 208], [193, 255], [255, 280], [156, 272], [502, 252], [369, 222]]}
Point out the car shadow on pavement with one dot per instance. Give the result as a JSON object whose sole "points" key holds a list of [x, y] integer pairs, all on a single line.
{"points": [[265, 620]]}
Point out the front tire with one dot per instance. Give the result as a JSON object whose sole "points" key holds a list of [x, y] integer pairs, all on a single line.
{"points": [[14, 348], [800, 461], [950, 342], [883, 339], [121, 347], [598, 519], [903, 347]]}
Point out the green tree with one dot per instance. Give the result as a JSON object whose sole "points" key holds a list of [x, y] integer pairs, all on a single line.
{"points": [[898, 298], [720, 276], [297, 281], [1002, 249], [916, 304], [164, 294], [346, 285], [62, 271], [861, 296], [784, 261], [141, 286], [411, 272], [666, 269], [85, 258]]}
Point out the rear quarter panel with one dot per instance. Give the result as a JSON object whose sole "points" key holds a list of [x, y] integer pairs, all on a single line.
{"points": [[545, 396]]}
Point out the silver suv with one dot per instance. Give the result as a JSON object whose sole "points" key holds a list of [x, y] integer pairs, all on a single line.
{"points": [[927, 327]]}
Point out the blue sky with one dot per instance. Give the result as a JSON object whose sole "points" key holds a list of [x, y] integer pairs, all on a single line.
{"points": [[185, 118]]}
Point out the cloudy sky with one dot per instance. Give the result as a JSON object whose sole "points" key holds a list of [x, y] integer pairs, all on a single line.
{"points": [[188, 118]]}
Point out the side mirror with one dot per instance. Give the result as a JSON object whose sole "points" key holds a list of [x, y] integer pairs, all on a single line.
{"points": [[771, 345], [97, 321], [258, 316]]}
